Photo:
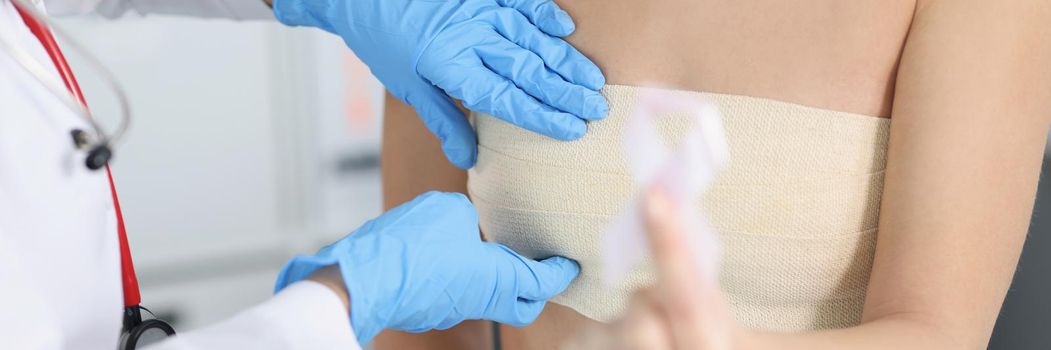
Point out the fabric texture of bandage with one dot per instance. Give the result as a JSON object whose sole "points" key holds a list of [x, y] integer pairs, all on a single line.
{"points": [[795, 208]]}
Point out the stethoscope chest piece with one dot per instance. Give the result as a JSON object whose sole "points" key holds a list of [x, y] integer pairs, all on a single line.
{"points": [[146, 333], [140, 333]]}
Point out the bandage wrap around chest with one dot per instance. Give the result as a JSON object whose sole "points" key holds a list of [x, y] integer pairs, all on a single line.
{"points": [[796, 206]]}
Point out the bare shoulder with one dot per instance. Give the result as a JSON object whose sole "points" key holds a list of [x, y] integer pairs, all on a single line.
{"points": [[995, 49]]}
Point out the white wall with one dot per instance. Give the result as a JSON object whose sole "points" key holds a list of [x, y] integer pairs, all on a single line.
{"points": [[232, 163]]}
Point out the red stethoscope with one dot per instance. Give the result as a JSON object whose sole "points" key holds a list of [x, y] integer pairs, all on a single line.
{"points": [[136, 331]]}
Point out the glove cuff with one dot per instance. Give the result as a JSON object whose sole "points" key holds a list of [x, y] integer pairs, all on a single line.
{"points": [[302, 266]]}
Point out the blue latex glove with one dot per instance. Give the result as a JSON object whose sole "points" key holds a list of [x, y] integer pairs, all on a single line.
{"points": [[487, 53], [423, 266]]}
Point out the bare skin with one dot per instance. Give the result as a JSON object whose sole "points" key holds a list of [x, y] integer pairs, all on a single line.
{"points": [[967, 83]]}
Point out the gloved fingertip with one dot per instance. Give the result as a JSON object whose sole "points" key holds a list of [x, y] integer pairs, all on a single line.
{"points": [[460, 151], [462, 159], [470, 160], [574, 129], [568, 268], [598, 79], [595, 107], [589, 75], [564, 23], [553, 20]]}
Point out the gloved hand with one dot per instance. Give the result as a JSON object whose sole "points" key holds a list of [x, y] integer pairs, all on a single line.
{"points": [[497, 56], [423, 266]]}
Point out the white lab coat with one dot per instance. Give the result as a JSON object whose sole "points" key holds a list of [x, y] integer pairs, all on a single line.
{"points": [[59, 266]]}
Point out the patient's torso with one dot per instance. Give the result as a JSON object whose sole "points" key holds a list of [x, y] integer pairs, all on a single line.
{"points": [[796, 208], [798, 205]]}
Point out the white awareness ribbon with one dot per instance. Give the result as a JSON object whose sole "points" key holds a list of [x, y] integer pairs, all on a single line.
{"points": [[685, 172]]}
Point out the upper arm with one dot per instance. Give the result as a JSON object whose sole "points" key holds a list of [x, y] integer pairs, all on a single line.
{"points": [[412, 163], [970, 121]]}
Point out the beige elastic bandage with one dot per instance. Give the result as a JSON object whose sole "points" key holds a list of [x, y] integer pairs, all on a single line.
{"points": [[796, 208]]}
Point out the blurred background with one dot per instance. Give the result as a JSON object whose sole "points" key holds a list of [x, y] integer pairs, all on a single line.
{"points": [[252, 142]]}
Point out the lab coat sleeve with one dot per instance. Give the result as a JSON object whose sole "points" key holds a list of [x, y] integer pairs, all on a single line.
{"points": [[306, 315], [230, 9]]}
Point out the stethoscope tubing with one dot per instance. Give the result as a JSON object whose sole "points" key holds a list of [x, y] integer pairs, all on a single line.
{"points": [[38, 25], [69, 95], [136, 331]]}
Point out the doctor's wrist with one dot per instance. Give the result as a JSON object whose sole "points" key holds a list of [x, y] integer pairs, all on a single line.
{"points": [[330, 276]]}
